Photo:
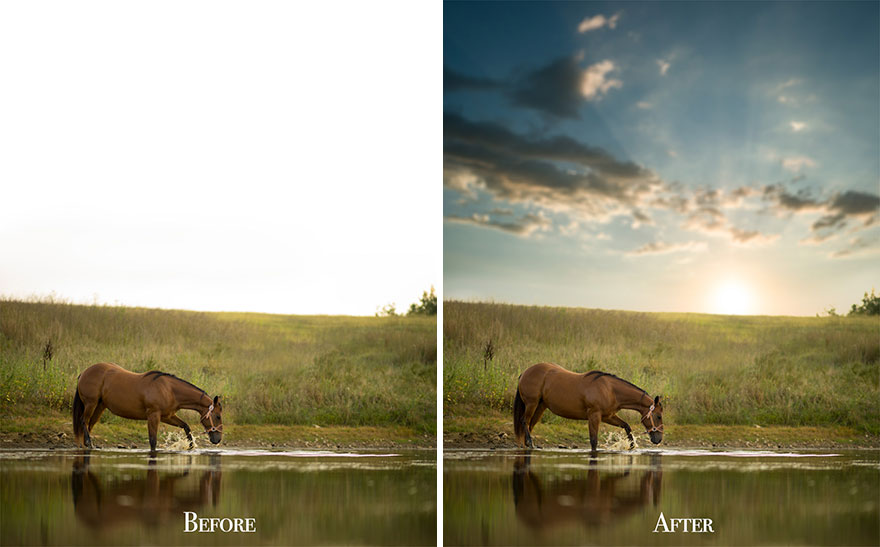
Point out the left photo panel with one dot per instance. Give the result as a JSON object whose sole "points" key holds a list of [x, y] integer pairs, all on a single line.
{"points": [[219, 275]]}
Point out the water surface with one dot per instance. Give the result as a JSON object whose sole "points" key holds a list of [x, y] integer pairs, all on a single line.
{"points": [[565, 497], [125, 497]]}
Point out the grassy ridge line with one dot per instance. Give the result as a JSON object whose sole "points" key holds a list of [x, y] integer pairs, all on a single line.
{"points": [[725, 370], [270, 369]]}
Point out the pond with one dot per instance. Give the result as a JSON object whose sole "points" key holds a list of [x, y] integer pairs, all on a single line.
{"points": [[125, 497], [565, 497]]}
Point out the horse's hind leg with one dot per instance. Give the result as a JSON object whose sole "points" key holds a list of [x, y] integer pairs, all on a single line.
{"points": [[531, 407], [96, 415], [90, 407], [174, 420], [536, 417], [614, 419]]}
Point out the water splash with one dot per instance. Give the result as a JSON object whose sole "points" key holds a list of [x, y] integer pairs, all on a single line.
{"points": [[176, 440], [618, 441]]}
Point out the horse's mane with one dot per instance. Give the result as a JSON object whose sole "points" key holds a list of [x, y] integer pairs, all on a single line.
{"points": [[599, 374], [158, 374]]}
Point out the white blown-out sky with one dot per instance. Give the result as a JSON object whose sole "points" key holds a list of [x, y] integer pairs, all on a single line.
{"points": [[218, 156]]}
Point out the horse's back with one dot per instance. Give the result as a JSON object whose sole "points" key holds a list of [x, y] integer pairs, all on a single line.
{"points": [[93, 380], [533, 380], [565, 393]]}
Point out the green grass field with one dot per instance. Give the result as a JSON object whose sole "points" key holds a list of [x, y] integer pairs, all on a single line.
{"points": [[269, 369], [710, 369]]}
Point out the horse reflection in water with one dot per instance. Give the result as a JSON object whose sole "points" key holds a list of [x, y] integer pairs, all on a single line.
{"points": [[152, 500], [598, 499]]}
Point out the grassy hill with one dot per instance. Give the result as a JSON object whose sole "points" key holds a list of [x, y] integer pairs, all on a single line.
{"points": [[720, 370], [270, 369]]}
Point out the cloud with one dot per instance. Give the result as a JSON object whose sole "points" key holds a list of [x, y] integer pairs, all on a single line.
{"points": [[858, 246], [561, 87], [705, 216], [558, 173], [598, 21], [644, 105], [525, 226], [558, 88], [797, 126], [838, 211], [660, 247], [595, 82], [566, 176], [785, 201], [664, 66], [786, 84], [846, 206], [456, 81], [796, 163]]}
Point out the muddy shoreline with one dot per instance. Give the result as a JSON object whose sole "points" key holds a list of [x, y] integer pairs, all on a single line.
{"points": [[502, 440]]}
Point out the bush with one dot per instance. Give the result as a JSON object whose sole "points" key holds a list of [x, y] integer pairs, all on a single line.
{"points": [[426, 306], [870, 305]]}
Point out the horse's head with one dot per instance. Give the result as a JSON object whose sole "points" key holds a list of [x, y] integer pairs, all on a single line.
{"points": [[653, 421], [213, 422]]}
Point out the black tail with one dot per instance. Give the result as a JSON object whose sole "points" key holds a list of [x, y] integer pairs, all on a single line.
{"points": [[78, 408], [519, 411]]}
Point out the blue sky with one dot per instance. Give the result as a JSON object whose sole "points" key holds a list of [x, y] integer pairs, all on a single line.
{"points": [[708, 157]]}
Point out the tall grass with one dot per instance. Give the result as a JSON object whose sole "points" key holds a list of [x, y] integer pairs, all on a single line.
{"points": [[710, 369], [275, 369]]}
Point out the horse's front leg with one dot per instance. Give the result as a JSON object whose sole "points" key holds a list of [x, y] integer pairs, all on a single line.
{"points": [[174, 420], [153, 418], [595, 418], [614, 419]]}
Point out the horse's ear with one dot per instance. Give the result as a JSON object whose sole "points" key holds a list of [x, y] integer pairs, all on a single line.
{"points": [[656, 400], [217, 400]]}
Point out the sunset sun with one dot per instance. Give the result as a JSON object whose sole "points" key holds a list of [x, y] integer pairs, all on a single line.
{"points": [[733, 297]]}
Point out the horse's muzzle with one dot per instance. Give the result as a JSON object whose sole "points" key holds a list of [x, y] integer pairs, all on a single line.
{"points": [[656, 437], [215, 437]]}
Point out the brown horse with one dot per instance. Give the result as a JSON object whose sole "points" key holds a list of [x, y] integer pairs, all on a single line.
{"points": [[152, 396], [595, 396]]}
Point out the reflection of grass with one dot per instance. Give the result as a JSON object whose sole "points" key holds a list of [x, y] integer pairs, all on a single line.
{"points": [[270, 369], [710, 369]]}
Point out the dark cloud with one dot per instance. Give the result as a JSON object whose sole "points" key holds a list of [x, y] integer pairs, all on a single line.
{"points": [[554, 89], [559, 88], [790, 202], [456, 81], [555, 172], [494, 137], [838, 211]]}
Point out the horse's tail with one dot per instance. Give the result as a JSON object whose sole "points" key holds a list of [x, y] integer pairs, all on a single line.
{"points": [[78, 409], [519, 411]]}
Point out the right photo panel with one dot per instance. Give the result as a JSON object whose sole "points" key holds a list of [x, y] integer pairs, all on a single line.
{"points": [[661, 254]]}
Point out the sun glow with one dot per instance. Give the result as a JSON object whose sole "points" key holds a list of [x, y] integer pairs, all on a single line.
{"points": [[733, 298]]}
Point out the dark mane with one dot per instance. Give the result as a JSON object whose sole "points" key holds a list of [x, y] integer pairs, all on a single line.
{"points": [[158, 374], [599, 374]]}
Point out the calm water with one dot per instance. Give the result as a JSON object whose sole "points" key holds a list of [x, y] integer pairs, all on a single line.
{"points": [[124, 497], [567, 498]]}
